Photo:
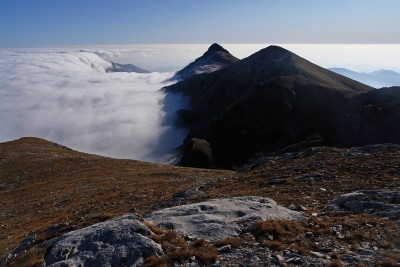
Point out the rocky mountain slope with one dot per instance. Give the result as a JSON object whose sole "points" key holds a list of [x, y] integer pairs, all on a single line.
{"points": [[116, 67], [55, 200], [215, 58], [275, 99]]}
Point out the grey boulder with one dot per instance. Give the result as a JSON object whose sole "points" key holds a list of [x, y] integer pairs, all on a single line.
{"points": [[379, 203], [217, 219], [123, 241]]}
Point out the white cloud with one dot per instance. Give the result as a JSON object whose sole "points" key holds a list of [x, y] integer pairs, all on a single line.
{"points": [[67, 97]]}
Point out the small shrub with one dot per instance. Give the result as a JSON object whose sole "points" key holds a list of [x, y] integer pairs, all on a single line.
{"points": [[176, 249], [199, 243], [334, 255], [386, 263], [299, 248], [335, 263], [384, 244], [353, 246], [155, 229]]}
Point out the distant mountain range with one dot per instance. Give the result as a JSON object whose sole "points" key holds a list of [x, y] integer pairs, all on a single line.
{"points": [[377, 79], [116, 67], [274, 100]]}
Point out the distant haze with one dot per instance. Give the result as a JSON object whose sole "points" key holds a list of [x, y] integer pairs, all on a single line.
{"points": [[173, 57]]}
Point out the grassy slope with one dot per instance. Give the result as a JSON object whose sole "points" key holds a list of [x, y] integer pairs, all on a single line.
{"points": [[42, 183]]}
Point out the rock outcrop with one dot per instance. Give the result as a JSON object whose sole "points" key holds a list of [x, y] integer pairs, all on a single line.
{"points": [[380, 203], [217, 219], [198, 154], [123, 241]]}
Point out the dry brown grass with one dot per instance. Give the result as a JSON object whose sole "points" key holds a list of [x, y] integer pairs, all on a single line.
{"points": [[42, 184], [386, 263], [302, 236], [305, 176], [335, 263], [234, 242], [360, 264], [393, 256], [32, 258], [178, 250]]}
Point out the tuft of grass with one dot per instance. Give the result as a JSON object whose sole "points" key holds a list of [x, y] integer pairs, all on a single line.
{"points": [[234, 242], [273, 245], [360, 264], [34, 257], [384, 244], [335, 263], [296, 247], [178, 250], [386, 263], [301, 236], [278, 229], [354, 246]]}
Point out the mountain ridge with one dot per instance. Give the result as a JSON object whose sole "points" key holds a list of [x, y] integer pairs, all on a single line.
{"points": [[267, 101]]}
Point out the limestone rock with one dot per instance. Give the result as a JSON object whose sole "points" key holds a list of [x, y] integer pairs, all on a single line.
{"points": [[122, 241], [217, 219], [380, 203]]}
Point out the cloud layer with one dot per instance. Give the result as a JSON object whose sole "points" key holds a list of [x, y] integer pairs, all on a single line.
{"points": [[68, 97]]}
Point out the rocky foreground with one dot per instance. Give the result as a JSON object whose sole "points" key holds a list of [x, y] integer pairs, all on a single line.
{"points": [[315, 207]]}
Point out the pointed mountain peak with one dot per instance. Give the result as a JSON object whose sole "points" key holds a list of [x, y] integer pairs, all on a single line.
{"points": [[215, 58], [216, 48]]}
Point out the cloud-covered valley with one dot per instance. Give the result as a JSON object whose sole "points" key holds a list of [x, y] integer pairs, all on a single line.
{"points": [[69, 98]]}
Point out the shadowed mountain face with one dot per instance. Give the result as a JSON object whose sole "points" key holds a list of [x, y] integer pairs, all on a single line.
{"points": [[220, 89], [214, 59], [369, 118], [271, 100]]}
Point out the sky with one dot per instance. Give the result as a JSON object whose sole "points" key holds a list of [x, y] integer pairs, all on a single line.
{"points": [[28, 23]]}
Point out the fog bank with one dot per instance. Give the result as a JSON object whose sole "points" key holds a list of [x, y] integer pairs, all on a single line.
{"points": [[67, 97]]}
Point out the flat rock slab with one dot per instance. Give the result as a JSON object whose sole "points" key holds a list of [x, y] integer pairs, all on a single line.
{"points": [[122, 241], [379, 203], [217, 219]]}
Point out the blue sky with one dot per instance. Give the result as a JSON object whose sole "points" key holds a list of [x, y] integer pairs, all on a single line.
{"points": [[76, 22]]}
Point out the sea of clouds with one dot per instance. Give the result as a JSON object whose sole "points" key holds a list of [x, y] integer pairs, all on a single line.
{"points": [[69, 97]]}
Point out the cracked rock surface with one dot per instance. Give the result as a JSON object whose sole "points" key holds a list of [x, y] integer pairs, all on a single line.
{"points": [[123, 241], [220, 218]]}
